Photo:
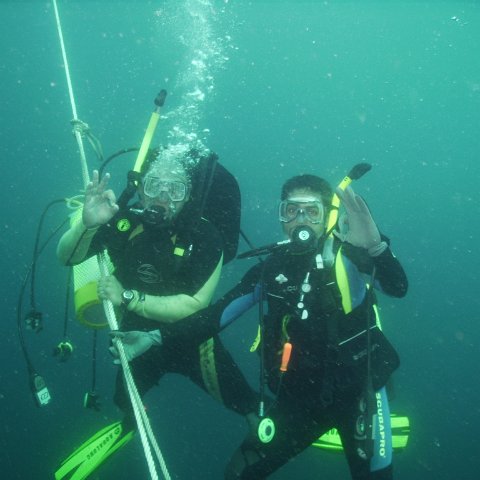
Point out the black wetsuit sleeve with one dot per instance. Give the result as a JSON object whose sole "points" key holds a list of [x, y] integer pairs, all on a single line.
{"points": [[207, 323], [389, 273]]}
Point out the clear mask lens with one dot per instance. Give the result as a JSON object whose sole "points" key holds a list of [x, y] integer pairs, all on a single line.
{"points": [[155, 187], [290, 210]]}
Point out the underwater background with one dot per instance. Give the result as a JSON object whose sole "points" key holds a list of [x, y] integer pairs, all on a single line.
{"points": [[276, 88]]}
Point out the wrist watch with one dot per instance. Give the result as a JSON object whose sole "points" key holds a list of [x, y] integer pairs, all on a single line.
{"points": [[127, 297]]}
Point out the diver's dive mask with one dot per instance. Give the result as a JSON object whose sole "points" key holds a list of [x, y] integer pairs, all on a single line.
{"points": [[165, 190], [161, 200], [303, 209]]}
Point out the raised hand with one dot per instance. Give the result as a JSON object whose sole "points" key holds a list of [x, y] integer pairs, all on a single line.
{"points": [[100, 203], [361, 229]]}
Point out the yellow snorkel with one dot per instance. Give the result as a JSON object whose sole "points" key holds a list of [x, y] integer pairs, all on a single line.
{"points": [[355, 173], [152, 125]]}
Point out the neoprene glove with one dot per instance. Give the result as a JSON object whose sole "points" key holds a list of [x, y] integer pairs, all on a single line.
{"points": [[134, 343], [361, 230]]}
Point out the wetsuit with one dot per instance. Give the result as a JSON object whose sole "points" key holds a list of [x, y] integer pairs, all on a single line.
{"points": [[326, 374], [156, 262]]}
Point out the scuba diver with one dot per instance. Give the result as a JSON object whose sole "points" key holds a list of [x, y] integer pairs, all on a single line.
{"points": [[167, 258], [323, 355]]}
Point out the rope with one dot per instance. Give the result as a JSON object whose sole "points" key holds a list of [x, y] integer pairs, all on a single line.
{"points": [[141, 417], [78, 136], [143, 422]]}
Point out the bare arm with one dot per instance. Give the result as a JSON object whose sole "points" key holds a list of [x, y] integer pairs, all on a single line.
{"points": [[172, 308], [75, 242]]}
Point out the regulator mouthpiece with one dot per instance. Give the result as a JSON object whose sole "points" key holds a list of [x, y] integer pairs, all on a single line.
{"points": [[303, 239]]}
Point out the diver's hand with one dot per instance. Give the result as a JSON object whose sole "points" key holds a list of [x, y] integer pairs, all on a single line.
{"points": [[361, 230], [109, 288], [100, 204], [134, 343]]}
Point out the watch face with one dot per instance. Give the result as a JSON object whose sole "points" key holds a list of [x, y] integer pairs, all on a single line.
{"points": [[127, 296]]}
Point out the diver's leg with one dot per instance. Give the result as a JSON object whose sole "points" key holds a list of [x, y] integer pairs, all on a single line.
{"points": [[237, 394], [216, 372], [295, 430], [381, 464], [379, 467]]}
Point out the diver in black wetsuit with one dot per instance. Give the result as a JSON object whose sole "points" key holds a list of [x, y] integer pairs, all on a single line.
{"points": [[166, 267], [324, 366], [319, 305]]}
